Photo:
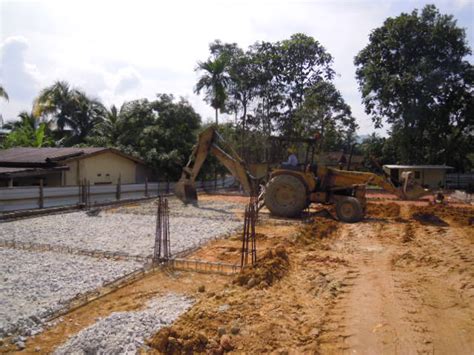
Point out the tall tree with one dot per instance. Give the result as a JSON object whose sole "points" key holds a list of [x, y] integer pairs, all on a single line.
{"points": [[214, 81], [3, 93], [58, 100], [413, 74], [74, 113]]}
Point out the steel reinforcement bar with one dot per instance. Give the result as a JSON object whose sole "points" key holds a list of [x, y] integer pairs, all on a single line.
{"points": [[204, 266]]}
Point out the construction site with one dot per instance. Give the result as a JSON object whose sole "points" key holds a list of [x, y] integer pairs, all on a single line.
{"points": [[310, 262]]}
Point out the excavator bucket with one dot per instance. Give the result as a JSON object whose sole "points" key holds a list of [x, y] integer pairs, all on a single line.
{"points": [[410, 188], [185, 190]]}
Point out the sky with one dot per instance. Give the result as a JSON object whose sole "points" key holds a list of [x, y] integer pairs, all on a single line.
{"points": [[124, 50]]}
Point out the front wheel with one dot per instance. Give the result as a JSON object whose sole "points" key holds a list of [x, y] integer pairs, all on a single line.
{"points": [[349, 209]]}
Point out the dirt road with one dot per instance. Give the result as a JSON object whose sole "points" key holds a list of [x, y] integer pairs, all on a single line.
{"points": [[411, 290]]}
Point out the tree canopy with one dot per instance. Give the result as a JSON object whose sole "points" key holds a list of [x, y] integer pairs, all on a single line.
{"points": [[74, 113], [162, 132], [284, 88], [414, 75], [214, 81]]}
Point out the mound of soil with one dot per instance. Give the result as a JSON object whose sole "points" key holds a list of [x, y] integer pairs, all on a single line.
{"points": [[429, 219], [386, 210], [317, 229], [170, 340], [463, 216], [269, 269]]}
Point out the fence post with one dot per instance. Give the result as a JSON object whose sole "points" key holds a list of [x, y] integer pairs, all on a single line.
{"points": [[167, 185], [89, 194], [146, 187], [215, 179], [41, 195], [118, 193]]}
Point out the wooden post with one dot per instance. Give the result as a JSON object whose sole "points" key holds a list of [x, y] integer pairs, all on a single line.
{"points": [[10, 183], [167, 185], [41, 195], [146, 187]]}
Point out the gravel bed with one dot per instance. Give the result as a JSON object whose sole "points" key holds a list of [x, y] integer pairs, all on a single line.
{"points": [[125, 332], [203, 209], [35, 285], [114, 232]]}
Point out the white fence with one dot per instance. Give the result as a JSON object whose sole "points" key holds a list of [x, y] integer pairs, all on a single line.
{"points": [[32, 197], [459, 181]]}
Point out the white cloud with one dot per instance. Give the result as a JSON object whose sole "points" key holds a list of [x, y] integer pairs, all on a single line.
{"points": [[20, 79], [128, 79]]}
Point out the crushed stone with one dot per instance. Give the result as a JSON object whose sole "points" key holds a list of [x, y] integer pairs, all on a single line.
{"points": [[35, 285], [126, 233], [125, 332]]}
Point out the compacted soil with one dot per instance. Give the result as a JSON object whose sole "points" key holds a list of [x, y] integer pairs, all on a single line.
{"points": [[399, 282]]}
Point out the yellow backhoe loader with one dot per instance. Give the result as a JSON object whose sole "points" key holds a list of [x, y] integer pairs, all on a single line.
{"points": [[290, 190]]}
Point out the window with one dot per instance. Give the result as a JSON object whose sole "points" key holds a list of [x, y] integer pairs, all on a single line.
{"points": [[107, 174], [417, 175], [99, 174]]}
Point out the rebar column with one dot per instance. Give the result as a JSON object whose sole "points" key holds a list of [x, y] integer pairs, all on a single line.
{"points": [[162, 250], [249, 242]]}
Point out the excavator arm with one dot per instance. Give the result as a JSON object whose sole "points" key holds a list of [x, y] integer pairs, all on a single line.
{"points": [[409, 189], [209, 141]]}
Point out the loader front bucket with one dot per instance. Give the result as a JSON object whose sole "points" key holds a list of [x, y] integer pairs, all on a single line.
{"points": [[185, 190], [410, 188]]}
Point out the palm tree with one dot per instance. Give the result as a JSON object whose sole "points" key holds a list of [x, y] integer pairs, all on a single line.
{"points": [[70, 108], [214, 81], [57, 100], [88, 114], [3, 93], [108, 131]]}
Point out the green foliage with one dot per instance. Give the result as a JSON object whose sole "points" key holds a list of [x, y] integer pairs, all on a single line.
{"points": [[28, 132], [161, 132], [378, 151], [214, 81], [107, 131], [74, 113], [413, 75], [270, 78], [324, 111]]}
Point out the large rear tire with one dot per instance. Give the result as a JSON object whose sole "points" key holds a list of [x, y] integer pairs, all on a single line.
{"points": [[349, 209], [285, 196]]}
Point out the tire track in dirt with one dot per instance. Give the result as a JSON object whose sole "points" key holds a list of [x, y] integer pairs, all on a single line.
{"points": [[370, 318], [438, 270]]}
